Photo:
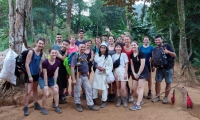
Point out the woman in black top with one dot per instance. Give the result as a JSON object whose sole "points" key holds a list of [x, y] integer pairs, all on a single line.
{"points": [[90, 54], [140, 74]]}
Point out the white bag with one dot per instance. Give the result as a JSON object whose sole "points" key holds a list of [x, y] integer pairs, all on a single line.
{"points": [[8, 71], [110, 78]]}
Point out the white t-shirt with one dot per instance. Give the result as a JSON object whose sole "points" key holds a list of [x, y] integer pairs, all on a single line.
{"points": [[123, 58]]}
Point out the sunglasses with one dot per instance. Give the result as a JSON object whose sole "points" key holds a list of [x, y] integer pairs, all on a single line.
{"points": [[58, 37]]}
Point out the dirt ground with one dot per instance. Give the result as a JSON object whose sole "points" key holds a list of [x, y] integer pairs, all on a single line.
{"points": [[149, 111]]}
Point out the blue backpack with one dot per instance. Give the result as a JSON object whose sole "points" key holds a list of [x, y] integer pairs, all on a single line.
{"points": [[71, 56]]}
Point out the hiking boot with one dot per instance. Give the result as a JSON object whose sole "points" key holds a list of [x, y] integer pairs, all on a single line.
{"points": [[44, 111], [103, 104], [149, 96], [83, 96], [119, 101], [135, 107], [79, 108], [61, 102], [113, 97], [26, 113], [53, 105], [37, 106], [109, 98], [94, 108], [141, 103], [165, 100], [63, 97], [156, 99], [125, 102], [58, 110], [130, 99]]}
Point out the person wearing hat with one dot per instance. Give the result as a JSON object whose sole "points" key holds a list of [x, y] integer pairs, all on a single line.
{"points": [[104, 66], [80, 39]]}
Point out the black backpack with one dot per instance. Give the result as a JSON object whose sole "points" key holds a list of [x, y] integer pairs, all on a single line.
{"points": [[159, 57], [117, 62]]}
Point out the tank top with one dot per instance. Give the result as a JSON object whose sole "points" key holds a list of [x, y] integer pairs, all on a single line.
{"points": [[71, 50], [111, 52], [128, 53], [35, 64], [89, 55]]}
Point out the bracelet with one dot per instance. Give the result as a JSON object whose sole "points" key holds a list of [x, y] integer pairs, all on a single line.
{"points": [[29, 76], [55, 81], [138, 74]]}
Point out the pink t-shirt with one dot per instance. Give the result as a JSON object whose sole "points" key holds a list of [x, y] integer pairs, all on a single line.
{"points": [[73, 49]]}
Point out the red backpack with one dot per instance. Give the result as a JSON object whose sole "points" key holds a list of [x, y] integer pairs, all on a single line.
{"points": [[189, 100]]}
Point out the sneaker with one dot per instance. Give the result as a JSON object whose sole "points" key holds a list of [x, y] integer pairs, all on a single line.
{"points": [[94, 108], [135, 107], [130, 99], [58, 110], [141, 103], [156, 99], [83, 96], [26, 113], [125, 102], [119, 101], [103, 104], [37, 106], [44, 111], [149, 96], [165, 100], [72, 94], [79, 108]]}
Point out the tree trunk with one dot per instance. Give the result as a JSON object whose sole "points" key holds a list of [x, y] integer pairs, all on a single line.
{"points": [[11, 24], [183, 53], [19, 25], [28, 10], [170, 37], [143, 12], [53, 20], [69, 13]]}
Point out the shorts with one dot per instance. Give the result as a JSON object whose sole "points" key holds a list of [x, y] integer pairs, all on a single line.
{"points": [[149, 68], [62, 80], [26, 78], [142, 76], [130, 73], [42, 84], [120, 71], [164, 73]]}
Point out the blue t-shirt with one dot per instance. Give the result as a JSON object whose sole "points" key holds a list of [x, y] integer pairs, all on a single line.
{"points": [[35, 64], [147, 53], [56, 47], [77, 43], [95, 50]]}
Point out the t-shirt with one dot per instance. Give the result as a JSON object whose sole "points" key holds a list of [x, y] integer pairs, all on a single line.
{"points": [[137, 64], [57, 47], [50, 68], [62, 70], [127, 53], [83, 68], [77, 43], [123, 58], [147, 53], [95, 50]]}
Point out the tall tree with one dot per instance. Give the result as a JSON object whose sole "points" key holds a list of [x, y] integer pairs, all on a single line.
{"points": [[53, 12], [69, 15], [11, 23], [183, 52]]}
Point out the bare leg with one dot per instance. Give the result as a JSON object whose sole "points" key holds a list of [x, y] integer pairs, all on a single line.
{"points": [[35, 92], [140, 90], [28, 87], [55, 95]]}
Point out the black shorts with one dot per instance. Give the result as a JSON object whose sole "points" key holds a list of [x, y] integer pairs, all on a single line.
{"points": [[35, 78], [149, 68], [62, 80], [142, 76]]}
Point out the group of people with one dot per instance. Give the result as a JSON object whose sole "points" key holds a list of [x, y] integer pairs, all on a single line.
{"points": [[134, 62]]}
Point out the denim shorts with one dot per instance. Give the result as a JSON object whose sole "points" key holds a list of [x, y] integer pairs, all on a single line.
{"points": [[164, 73], [50, 82]]}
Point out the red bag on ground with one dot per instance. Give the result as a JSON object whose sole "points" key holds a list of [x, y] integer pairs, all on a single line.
{"points": [[189, 100]]}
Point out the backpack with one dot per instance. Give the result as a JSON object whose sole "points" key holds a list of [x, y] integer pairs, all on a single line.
{"points": [[159, 57], [189, 100], [21, 59], [117, 62]]}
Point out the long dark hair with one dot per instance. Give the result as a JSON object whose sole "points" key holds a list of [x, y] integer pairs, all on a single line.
{"points": [[106, 53]]}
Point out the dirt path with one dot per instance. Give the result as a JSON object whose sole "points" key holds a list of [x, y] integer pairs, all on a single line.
{"points": [[150, 111]]}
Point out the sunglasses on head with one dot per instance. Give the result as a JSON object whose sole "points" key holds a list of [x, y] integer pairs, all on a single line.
{"points": [[58, 37]]}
